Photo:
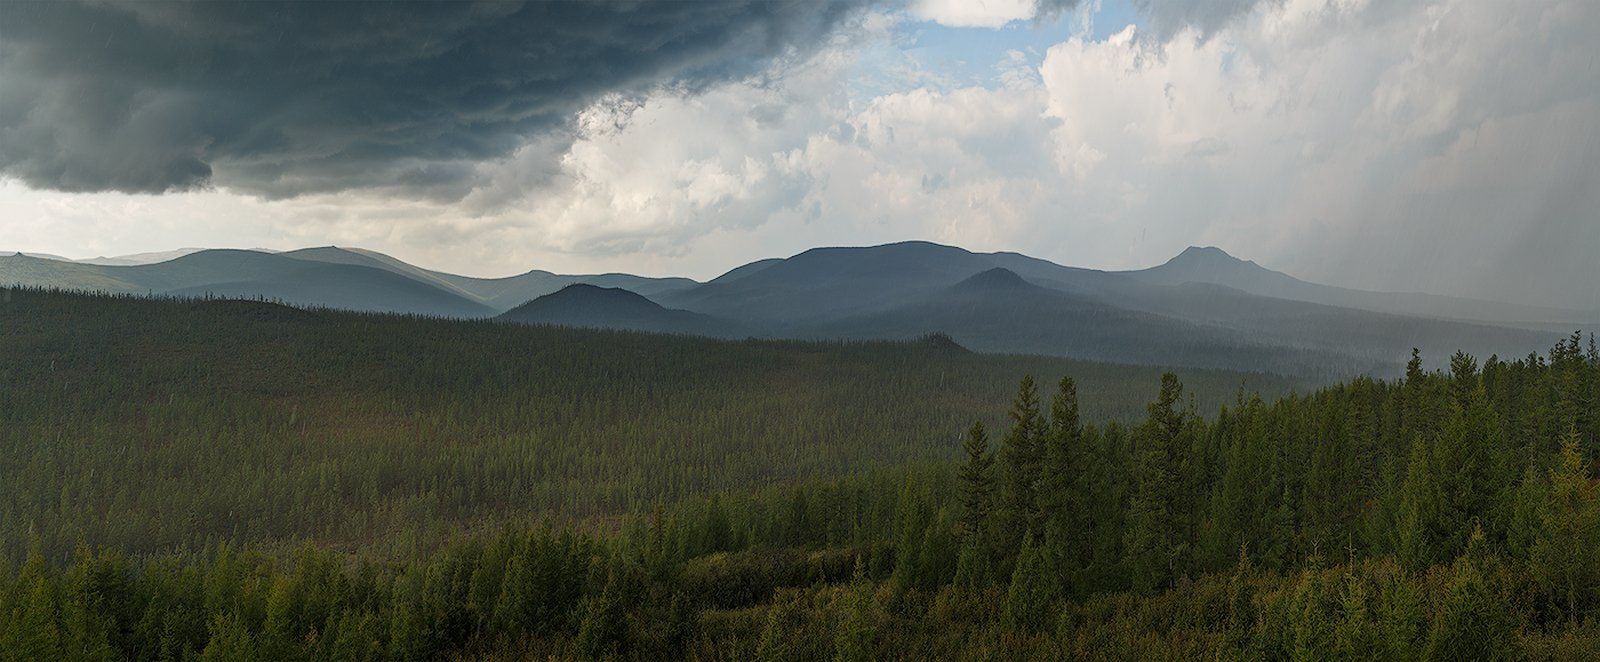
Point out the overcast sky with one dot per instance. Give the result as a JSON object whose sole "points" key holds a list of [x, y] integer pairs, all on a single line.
{"points": [[1447, 146]]}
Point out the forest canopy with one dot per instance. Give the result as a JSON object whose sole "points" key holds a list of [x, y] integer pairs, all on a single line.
{"points": [[1440, 515]]}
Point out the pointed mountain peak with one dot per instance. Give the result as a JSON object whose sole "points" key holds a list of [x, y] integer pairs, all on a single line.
{"points": [[1206, 254]]}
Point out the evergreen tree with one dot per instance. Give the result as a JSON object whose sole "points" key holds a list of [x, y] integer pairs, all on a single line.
{"points": [[1415, 410], [1472, 476], [36, 634], [1463, 378], [977, 482], [974, 569], [230, 641], [1155, 540], [1475, 621], [1028, 600], [773, 646], [1565, 559], [1416, 541], [853, 641], [603, 628], [1020, 456], [1067, 493]]}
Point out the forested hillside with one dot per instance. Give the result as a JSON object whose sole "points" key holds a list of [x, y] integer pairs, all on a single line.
{"points": [[1440, 515], [143, 425]]}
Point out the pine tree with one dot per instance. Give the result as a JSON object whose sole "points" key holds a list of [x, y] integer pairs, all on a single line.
{"points": [[1028, 600], [1021, 455], [1415, 416], [1472, 474], [912, 512], [603, 628], [1463, 377], [852, 642], [1154, 537], [37, 635], [974, 570], [1475, 621], [773, 645], [1066, 495], [1415, 538], [977, 482], [1565, 559], [230, 641]]}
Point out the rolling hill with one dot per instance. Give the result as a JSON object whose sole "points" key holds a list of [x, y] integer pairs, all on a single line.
{"points": [[1202, 308], [346, 287], [588, 306], [244, 274]]}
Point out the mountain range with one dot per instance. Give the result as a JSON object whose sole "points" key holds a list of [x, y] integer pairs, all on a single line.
{"points": [[1203, 308]]}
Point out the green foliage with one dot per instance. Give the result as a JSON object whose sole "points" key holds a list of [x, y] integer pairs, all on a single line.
{"points": [[1441, 516], [1021, 462], [143, 425], [1030, 595], [1565, 559], [977, 483], [853, 640]]}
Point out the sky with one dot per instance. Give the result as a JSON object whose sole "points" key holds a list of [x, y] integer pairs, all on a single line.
{"points": [[1447, 146]]}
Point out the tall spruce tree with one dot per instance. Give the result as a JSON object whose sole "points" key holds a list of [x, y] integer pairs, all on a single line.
{"points": [[977, 482], [1031, 593], [1066, 488], [1020, 457], [1565, 559], [1155, 542]]}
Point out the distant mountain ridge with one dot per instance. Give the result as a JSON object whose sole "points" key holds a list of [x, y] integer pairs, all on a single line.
{"points": [[1203, 308], [1214, 266]]}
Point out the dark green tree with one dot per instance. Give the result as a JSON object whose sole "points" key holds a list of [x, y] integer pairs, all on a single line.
{"points": [[976, 475], [853, 640], [1565, 559], [1028, 599], [1067, 489], [1155, 541], [1021, 453]]}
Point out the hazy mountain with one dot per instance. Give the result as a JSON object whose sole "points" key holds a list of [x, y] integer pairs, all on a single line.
{"points": [[50, 272], [902, 290], [584, 305], [505, 293], [497, 293], [1212, 265], [142, 258], [1202, 308], [347, 287], [999, 311], [830, 283], [254, 274], [251, 275], [42, 256], [376, 260]]}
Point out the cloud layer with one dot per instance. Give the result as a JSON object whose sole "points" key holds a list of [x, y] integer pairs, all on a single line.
{"points": [[284, 98], [1445, 146]]}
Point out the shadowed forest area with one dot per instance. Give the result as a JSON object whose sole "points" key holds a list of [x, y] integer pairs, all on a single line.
{"points": [[1441, 515], [149, 425]]}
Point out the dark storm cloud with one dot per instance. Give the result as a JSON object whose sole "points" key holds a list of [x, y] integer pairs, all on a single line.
{"points": [[291, 97]]}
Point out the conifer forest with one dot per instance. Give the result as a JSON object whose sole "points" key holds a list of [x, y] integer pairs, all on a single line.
{"points": [[817, 501]]}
